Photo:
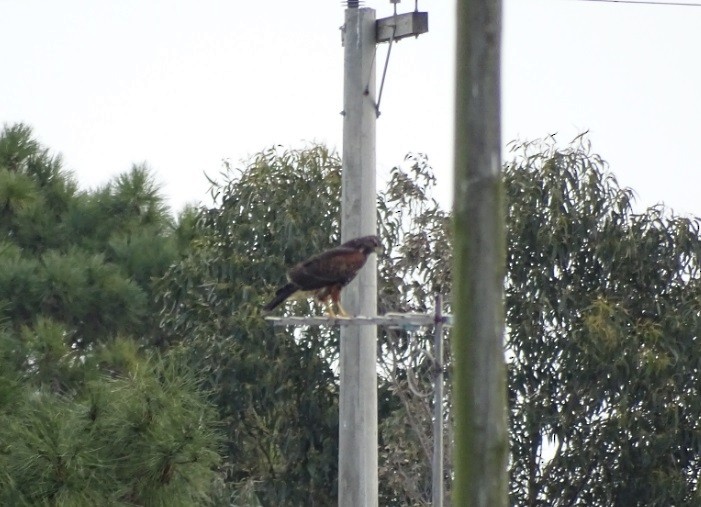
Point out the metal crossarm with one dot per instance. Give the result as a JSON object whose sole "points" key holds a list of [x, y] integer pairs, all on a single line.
{"points": [[404, 322], [390, 320]]}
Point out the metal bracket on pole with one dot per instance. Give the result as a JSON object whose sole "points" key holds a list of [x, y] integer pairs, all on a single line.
{"points": [[394, 28], [410, 24], [399, 26]]}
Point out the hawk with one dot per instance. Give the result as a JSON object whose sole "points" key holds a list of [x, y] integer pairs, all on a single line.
{"points": [[324, 275]]}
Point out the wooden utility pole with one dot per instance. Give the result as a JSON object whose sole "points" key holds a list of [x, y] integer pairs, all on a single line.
{"points": [[357, 467], [437, 461], [479, 392]]}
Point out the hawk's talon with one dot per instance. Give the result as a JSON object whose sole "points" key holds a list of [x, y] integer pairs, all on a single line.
{"points": [[341, 311], [329, 311]]}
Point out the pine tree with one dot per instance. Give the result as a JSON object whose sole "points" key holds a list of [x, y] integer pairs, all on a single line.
{"points": [[90, 414]]}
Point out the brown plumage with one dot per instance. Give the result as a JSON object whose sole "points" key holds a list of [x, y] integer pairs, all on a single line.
{"points": [[324, 275]]}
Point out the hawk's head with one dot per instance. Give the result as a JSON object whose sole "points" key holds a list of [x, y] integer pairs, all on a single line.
{"points": [[366, 244]]}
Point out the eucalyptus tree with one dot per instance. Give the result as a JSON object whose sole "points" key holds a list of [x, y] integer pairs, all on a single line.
{"points": [[603, 328]]}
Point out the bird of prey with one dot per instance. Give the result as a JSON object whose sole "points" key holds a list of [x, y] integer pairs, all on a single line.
{"points": [[324, 275]]}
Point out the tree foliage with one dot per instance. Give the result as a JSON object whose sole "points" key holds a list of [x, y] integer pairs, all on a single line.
{"points": [[275, 391], [602, 329], [140, 436], [278, 390], [603, 318], [84, 258], [87, 417], [416, 234]]}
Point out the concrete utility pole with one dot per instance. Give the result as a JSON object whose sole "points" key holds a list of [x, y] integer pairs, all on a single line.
{"points": [[479, 373], [357, 468]]}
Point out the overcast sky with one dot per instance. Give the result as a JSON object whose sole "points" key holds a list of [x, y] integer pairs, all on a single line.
{"points": [[182, 85]]}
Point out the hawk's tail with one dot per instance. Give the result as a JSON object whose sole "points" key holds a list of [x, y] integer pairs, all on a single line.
{"points": [[280, 295]]}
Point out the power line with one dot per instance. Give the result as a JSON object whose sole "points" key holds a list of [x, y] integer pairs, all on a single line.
{"points": [[646, 2]]}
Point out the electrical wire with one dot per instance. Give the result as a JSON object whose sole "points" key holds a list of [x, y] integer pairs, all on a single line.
{"points": [[646, 2]]}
